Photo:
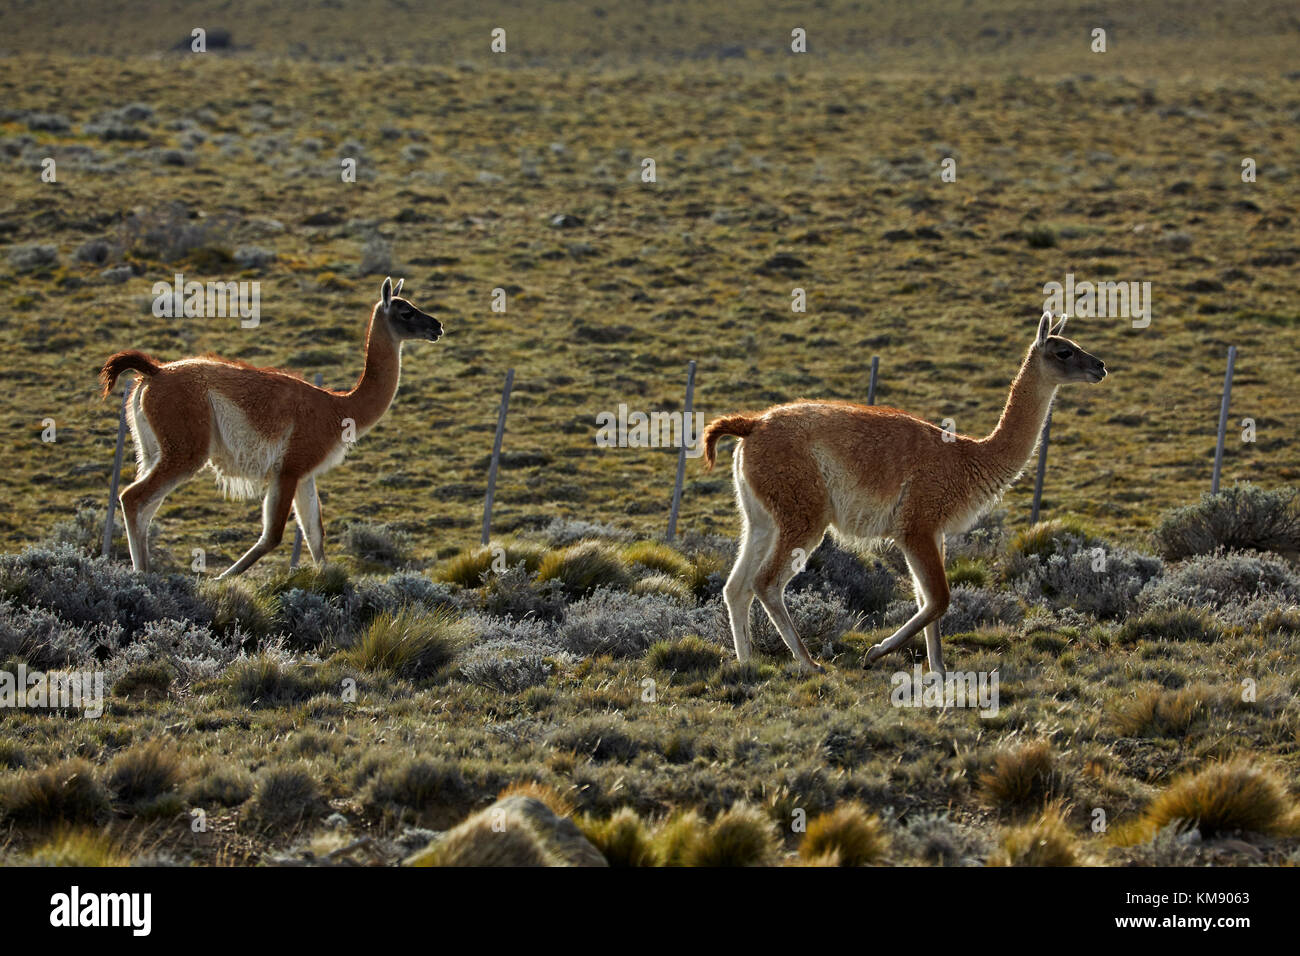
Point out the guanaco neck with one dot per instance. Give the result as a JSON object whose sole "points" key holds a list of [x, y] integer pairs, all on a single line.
{"points": [[1011, 444], [374, 391]]}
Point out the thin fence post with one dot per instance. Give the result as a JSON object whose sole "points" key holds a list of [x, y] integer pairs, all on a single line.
{"points": [[297, 527], [496, 456], [116, 477], [1223, 419], [1042, 467], [871, 389], [687, 425]]}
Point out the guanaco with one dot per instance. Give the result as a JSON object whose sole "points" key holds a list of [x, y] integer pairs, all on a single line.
{"points": [[870, 474], [263, 431]]}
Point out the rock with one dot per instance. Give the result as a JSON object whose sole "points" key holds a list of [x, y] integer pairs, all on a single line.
{"points": [[565, 221], [514, 831]]}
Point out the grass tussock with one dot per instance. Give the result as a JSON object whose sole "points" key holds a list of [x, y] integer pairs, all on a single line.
{"points": [[1022, 777], [582, 567], [741, 836], [486, 840], [1046, 537], [148, 680], [850, 835], [664, 585], [623, 839], [1046, 841], [1171, 623], [558, 802], [471, 567], [144, 772], [285, 797], [688, 655], [1236, 794], [78, 847], [660, 557], [236, 607], [66, 793], [411, 643]]}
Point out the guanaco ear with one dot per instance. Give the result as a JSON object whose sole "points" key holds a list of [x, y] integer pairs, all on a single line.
{"points": [[1044, 327], [397, 289], [1056, 331], [386, 293]]}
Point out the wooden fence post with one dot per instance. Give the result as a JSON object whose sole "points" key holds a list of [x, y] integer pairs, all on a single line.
{"points": [[871, 388], [687, 425], [116, 477], [496, 456], [1042, 467], [1223, 419]]}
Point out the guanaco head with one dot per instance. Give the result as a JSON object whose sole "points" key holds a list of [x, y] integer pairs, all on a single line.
{"points": [[1060, 359], [404, 320]]}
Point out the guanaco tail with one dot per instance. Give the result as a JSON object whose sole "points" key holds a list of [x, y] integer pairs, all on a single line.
{"points": [[870, 474], [263, 431]]}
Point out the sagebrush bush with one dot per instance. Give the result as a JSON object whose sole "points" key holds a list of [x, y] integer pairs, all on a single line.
{"points": [[970, 608], [1235, 794], [850, 833], [1244, 517], [1220, 579], [82, 590], [820, 618], [863, 587], [583, 567], [1074, 572], [44, 640], [507, 666], [412, 643], [191, 652], [310, 619], [625, 625], [938, 840]]}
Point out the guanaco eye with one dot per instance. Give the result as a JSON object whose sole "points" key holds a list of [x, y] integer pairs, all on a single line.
{"points": [[1064, 353]]}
